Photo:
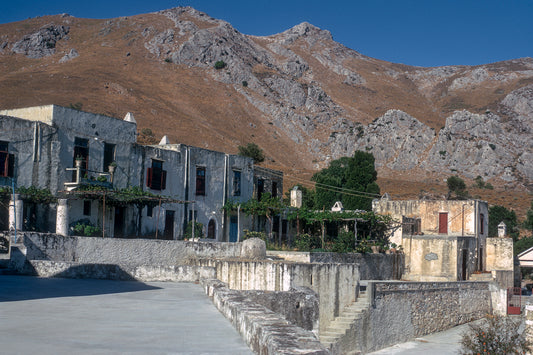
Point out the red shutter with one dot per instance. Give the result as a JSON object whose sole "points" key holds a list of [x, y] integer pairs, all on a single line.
{"points": [[163, 179], [10, 165], [149, 177]]}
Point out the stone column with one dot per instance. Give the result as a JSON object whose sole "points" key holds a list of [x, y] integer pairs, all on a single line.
{"points": [[15, 213], [529, 324], [62, 217]]}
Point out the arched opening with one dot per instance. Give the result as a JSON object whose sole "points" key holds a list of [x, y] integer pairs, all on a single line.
{"points": [[212, 229]]}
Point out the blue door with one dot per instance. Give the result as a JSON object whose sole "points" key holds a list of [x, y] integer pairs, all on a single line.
{"points": [[233, 228]]}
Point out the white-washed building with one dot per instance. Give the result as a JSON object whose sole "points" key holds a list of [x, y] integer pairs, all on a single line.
{"points": [[62, 149]]}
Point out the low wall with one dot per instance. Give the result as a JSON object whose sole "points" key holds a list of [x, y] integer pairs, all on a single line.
{"points": [[144, 273], [96, 250], [336, 284], [300, 305], [264, 331], [371, 266], [402, 311]]}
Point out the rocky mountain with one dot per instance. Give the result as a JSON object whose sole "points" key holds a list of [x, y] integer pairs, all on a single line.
{"points": [[301, 96]]}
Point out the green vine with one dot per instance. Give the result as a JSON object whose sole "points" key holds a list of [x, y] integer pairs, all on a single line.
{"points": [[36, 195]]}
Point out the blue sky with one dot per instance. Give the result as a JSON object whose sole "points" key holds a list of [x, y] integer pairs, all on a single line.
{"points": [[414, 32]]}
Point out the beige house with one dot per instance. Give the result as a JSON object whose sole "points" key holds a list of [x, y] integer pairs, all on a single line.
{"points": [[443, 240]]}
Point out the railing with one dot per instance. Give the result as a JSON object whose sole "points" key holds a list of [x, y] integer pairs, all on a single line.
{"points": [[79, 181]]}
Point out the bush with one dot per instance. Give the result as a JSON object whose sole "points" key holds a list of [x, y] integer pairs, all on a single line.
{"points": [[245, 83], [252, 150], [344, 243], [306, 242], [86, 229], [220, 64], [494, 335], [198, 230]]}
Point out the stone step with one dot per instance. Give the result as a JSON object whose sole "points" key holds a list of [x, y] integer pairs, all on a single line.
{"points": [[328, 339]]}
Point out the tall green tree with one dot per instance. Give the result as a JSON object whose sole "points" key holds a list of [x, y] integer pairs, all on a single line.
{"points": [[361, 176], [528, 223], [497, 214], [351, 180]]}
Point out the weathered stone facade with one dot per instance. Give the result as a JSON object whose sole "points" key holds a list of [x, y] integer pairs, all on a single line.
{"points": [[443, 240], [46, 143]]}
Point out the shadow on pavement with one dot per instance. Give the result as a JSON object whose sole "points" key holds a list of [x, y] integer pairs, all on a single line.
{"points": [[21, 288]]}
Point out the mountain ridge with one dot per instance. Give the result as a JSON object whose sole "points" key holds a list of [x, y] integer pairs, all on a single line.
{"points": [[304, 98]]}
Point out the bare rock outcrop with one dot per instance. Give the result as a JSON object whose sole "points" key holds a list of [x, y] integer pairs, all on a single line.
{"points": [[41, 43]]}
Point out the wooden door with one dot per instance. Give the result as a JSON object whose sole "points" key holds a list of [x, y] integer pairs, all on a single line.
{"points": [[443, 223]]}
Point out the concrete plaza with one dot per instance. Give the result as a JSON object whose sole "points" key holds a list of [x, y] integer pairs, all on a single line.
{"points": [[72, 316]]}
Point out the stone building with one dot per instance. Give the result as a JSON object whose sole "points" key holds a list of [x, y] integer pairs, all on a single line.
{"points": [[443, 240], [62, 149]]}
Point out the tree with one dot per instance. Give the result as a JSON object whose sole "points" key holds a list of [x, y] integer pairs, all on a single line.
{"points": [[252, 150], [498, 214], [351, 180], [528, 223], [361, 176], [456, 188]]}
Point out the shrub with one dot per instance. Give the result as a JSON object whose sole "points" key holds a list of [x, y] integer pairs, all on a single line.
{"points": [[252, 150], [307, 242], [198, 230], [344, 243], [494, 335], [86, 229], [220, 64], [245, 83]]}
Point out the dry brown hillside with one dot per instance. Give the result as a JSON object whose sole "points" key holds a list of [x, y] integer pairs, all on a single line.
{"points": [[302, 97]]}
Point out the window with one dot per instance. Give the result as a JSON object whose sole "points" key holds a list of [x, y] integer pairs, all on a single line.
{"points": [[109, 155], [236, 183], [81, 151], [156, 177], [87, 207], [149, 210], [7, 161], [481, 223], [260, 188], [274, 189], [200, 181]]}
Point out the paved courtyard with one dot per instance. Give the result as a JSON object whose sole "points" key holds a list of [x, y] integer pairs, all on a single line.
{"points": [[65, 316]]}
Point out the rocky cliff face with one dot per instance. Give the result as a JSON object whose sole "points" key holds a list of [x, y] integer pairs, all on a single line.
{"points": [[303, 97]]}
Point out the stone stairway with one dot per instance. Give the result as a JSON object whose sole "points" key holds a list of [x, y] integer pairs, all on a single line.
{"points": [[342, 323]]}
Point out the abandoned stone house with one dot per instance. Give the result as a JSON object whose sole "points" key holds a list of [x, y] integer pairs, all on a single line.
{"points": [[443, 240], [61, 149]]}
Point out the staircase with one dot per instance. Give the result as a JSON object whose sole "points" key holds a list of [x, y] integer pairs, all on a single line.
{"points": [[341, 324]]}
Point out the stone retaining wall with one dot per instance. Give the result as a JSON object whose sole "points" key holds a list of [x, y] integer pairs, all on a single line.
{"points": [[336, 284], [96, 250], [401, 311], [264, 331], [144, 273], [371, 266], [300, 305]]}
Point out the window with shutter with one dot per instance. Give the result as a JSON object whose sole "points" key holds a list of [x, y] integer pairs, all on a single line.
{"points": [[156, 177]]}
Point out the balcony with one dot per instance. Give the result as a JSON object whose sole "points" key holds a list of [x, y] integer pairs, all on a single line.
{"points": [[103, 180]]}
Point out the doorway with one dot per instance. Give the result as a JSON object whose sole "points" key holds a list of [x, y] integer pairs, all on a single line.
{"points": [[118, 226], [169, 225], [212, 229], [233, 228]]}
